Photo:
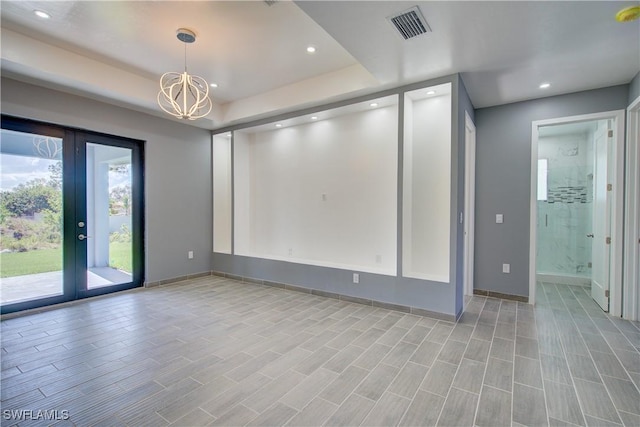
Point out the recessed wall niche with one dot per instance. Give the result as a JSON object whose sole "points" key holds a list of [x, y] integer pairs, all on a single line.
{"points": [[320, 189], [221, 151], [427, 183]]}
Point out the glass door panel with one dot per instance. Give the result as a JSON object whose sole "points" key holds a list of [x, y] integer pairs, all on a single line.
{"points": [[31, 217], [109, 229], [71, 214], [108, 212]]}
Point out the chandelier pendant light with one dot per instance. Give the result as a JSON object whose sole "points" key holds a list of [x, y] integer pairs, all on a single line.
{"points": [[183, 95]]}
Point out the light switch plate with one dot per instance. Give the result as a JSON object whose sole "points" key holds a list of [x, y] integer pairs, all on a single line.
{"points": [[506, 268], [499, 219]]}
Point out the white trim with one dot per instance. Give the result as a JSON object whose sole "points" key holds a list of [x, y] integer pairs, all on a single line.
{"points": [[469, 202], [631, 274], [615, 306], [533, 212]]}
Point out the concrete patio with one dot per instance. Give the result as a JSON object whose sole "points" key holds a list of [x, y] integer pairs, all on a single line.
{"points": [[35, 286]]}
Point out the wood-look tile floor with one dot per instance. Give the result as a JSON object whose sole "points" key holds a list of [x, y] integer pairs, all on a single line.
{"points": [[212, 351]]}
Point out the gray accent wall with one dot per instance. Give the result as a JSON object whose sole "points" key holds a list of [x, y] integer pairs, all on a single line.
{"points": [[464, 105], [503, 172], [634, 89], [178, 204]]}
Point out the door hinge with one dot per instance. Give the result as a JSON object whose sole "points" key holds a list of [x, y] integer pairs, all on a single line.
{"points": [[609, 187], [610, 133], [608, 240], [606, 293]]}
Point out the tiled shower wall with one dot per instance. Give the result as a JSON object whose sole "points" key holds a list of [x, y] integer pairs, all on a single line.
{"points": [[565, 218]]}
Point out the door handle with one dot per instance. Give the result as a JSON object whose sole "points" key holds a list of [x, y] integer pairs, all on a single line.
{"points": [[82, 237], [590, 235]]}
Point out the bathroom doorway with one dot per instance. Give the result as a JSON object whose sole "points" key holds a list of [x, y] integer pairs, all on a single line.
{"points": [[575, 214]]}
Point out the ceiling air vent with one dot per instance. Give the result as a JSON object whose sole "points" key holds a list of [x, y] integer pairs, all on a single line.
{"points": [[410, 23]]}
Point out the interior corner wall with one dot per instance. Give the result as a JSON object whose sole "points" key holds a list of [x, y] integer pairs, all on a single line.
{"points": [[503, 173], [178, 201], [634, 89], [463, 105]]}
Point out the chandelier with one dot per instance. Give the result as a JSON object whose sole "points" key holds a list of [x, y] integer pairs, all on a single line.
{"points": [[182, 95], [47, 147]]}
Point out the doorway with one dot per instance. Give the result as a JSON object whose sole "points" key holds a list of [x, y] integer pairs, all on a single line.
{"points": [[71, 214], [631, 277], [576, 214]]}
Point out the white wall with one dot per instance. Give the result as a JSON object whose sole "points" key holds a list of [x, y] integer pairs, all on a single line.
{"points": [[427, 188], [242, 194], [221, 193], [321, 193]]}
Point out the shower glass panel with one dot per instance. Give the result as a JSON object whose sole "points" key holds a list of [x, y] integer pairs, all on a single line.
{"points": [[565, 165]]}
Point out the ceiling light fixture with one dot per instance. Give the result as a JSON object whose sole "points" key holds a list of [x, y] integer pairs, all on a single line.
{"points": [[628, 14], [41, 14], [373, 104], [182, 95], [278, 125], [314, 117], [311, 49], [214, 85], [431, 92], [545, 86]]}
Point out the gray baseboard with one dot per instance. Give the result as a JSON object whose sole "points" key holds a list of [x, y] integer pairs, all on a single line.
{"points": [[176, 279], [341, 297], [500, 295]]}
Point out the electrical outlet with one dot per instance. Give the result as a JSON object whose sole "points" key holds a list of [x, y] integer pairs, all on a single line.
{"points": [[190, 255], [506, 268], [356, 278]]}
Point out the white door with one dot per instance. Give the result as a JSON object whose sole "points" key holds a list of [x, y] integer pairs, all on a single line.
{"points": [[601, 219]]}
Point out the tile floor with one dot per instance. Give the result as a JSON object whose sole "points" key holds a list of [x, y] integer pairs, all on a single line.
{"points": [[212, 351]]}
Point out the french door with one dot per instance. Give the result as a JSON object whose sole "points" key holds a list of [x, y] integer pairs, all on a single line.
{"points": [[71, 214]]}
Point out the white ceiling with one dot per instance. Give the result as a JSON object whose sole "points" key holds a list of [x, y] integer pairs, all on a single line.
{"points": [[115, 51]]}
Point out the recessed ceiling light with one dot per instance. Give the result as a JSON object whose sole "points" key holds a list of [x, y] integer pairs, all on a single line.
{"points": [[213, 84], [314, 117], [311, 49], [278, 125], [373, 104], [545, 86], [229, 134], [431, 92], [41, 14]]}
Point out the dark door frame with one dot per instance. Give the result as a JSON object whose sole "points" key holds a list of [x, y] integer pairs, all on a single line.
{"points": [[74, 200]]}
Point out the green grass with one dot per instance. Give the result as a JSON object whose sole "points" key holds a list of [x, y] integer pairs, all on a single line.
{"points": [[31, 262], [120, 256], [46, 260]]}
